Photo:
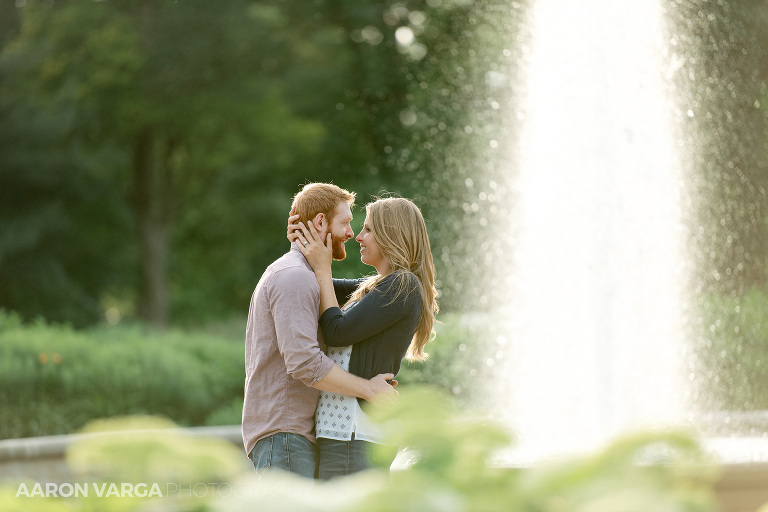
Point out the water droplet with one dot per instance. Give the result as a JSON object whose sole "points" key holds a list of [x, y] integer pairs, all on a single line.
{"points": [[495, 79], [417, 17], [417, 51], [112, 316], [408, 117], [404, 36], [372, 35]]}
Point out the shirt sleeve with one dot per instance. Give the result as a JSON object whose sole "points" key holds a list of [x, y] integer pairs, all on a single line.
{"points": [[373, 313], [295, 301], [344, 288]]}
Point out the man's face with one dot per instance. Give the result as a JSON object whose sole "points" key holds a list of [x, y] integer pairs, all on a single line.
{"points": [[341, 230]]}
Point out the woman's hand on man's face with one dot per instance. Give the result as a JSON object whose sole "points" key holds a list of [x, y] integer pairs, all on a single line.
{"points": [[318, 254], [293, 225]]}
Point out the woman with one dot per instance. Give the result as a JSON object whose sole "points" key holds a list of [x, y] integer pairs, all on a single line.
{"points": [[387, 316]]}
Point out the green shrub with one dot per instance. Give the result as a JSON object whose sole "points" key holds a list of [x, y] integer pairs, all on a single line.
{"points": [[55, 379]]}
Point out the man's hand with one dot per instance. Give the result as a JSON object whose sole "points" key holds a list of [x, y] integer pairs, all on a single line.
{"points": [[380, 391], [376, 390]]}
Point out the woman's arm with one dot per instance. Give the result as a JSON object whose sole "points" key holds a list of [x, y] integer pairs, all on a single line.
{"points": [[344, 288], [374, 313], [327, 294], [319, 256]]}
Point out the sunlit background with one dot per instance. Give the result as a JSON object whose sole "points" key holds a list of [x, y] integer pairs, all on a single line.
{"points": [[594, 177]]}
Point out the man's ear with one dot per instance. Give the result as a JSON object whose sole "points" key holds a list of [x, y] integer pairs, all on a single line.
{"points": [[319, 221]]}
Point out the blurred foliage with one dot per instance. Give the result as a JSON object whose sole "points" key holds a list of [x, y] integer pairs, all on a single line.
{"points": [[451, 470], [149, 150], [731, 363], [184, 457], [721, 79], [62, 378], [456, 360]]}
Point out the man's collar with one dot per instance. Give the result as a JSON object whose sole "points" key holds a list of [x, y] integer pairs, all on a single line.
{"points": [[295, 247]]}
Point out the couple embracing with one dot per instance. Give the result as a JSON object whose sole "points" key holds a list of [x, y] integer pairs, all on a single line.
{"points": [[317, 347]]}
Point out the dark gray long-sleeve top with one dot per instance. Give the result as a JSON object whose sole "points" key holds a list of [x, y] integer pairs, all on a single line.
{"points": [[379, 328]]}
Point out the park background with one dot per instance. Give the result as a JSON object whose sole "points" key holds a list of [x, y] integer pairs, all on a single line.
{"points": [[149, 151]]}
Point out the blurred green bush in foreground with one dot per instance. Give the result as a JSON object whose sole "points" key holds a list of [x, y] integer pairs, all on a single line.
{"points": [[450, 472]]}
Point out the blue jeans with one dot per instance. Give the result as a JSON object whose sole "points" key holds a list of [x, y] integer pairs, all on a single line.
{"points": [[341, 458], [287, 451]]}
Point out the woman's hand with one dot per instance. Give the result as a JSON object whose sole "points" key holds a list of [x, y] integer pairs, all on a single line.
{"points": [[318, 254], [293, 226]]}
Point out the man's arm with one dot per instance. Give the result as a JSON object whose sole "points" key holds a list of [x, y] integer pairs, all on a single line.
{"points": [[294, 300], [294, 303], [339, 381]]}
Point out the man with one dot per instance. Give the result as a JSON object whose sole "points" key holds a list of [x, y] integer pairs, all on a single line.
{"points": [[285, 365]]}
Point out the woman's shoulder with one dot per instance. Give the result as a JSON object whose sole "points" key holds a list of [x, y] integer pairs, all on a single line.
{"points": [[402, 276], [411, 279], [402, 282]]}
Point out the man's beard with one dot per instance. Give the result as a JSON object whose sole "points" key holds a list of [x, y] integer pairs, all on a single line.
{"points": [[337, 244]]}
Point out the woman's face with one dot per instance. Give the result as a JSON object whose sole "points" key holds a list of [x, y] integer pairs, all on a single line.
{"points": [[370, 253]]}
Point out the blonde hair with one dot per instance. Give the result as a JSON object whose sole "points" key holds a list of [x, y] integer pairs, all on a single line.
{"points": [[401, 234], [323, 198]]}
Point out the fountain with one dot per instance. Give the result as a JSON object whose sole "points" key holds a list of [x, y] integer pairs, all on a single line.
{"points": [[599, 266], [594, 335]]}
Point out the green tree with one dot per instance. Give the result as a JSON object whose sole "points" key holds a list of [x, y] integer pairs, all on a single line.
{"points": [[181, 95], [722, 81], [61, 221], [201, 121]]}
